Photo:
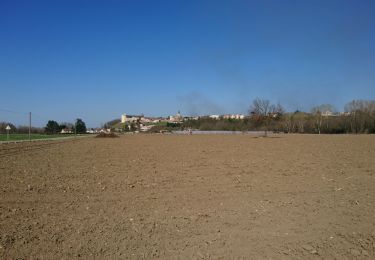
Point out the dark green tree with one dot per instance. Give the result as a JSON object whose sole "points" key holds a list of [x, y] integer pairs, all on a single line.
{"points": [[80, 126], [52, 127]]}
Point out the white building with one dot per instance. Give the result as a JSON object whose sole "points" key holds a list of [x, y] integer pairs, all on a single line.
{"points": [[217, 117], [234, 116], [327, 113], [129, 118], [66, 131], [123, 118], [176, 118]]}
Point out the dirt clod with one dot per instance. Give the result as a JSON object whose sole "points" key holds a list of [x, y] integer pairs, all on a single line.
{"points": [[355, 252], [106, 135]]}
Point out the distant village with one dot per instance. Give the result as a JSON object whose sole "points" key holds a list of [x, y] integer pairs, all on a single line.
{"points": [[142, 123], [359, 117], [145, 123]]}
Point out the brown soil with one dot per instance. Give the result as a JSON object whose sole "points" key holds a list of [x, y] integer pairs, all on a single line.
{"points": [[106, 135], [190, 197]]}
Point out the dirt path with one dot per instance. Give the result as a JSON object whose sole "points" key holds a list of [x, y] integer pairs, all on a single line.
{"points": [[191, 197]]}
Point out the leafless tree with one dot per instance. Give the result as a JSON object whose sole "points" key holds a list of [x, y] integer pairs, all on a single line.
{"points": [[287, 122], [318, 113], [264, 112], [260, 107], [356, 108], [361, 114]]}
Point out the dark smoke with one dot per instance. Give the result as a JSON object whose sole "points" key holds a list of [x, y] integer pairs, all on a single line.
{"points": [[196, 104]]}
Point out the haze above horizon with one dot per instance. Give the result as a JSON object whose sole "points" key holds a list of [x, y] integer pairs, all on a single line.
{"points": [[96, 60]]}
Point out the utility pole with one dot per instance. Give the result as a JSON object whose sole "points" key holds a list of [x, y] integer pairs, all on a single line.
{"points": [[30, 126]]}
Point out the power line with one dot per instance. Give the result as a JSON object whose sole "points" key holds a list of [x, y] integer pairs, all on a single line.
{"points": [[23, 113], [41, 117], [14, 112]]}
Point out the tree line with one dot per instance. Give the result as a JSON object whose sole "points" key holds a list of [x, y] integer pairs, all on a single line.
{"points": [[358, 117], [52, 127], [19, 129]]}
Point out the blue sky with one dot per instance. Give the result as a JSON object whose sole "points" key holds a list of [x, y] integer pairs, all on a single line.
{"points": [[98, 59]]}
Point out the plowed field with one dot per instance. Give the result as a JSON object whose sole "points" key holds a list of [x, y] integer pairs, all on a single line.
{"points": [[189, 197]]}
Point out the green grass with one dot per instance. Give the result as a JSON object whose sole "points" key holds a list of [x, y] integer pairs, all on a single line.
{"points": [[121, 125], [118, 125], [159, 123], [19, 137]]}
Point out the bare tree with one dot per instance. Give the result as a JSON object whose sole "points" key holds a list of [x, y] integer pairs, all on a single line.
{"points": [[263, 111], [356, 109], [318, 113], [300, 119], [287, 122], [260, 107], [3, 126], [361, 114]]}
